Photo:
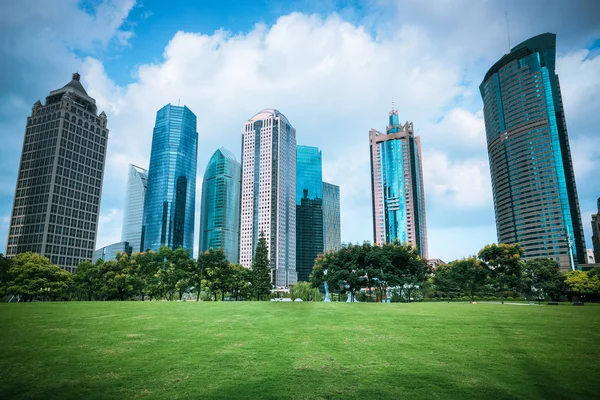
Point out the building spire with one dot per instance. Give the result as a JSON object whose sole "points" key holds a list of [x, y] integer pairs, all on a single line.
{"points": [[392, 103], [76, 76]]}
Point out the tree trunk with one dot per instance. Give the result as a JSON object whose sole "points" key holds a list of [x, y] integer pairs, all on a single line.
{"points": [[198, 297], [222, 295]]}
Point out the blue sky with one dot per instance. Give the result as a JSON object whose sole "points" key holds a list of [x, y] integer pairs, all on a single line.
{"points": [[332, 67]]}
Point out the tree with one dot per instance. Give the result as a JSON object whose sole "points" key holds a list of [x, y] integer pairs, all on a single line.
{"points": [[260, 283], [445, 281], [34, 276], [239, 281], [115, 279], [5, 275], [505, 265], [86, 280], [469, 275], [580, 283], [218, 273], [407, 270], [306, 292], [544, 278]]}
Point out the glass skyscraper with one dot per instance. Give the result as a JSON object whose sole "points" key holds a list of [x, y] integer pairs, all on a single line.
{"points": [[332, 232], [220, 207], [269, 193], [309, 209], [59, 186], [397, 185], [535, 198], [596, 233], [137, 180], [108, 253], [170, 200]]}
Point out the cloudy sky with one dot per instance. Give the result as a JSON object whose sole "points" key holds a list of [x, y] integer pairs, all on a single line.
{"points": [[332, 67]]}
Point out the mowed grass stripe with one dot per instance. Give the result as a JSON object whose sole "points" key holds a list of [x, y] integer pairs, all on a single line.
{"points": [[170, 350]]}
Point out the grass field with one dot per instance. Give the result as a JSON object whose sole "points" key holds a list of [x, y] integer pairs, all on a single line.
{"points": [[232, 350]]}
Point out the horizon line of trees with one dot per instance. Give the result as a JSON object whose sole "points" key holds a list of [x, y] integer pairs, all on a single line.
{"points": [[392, 272]]}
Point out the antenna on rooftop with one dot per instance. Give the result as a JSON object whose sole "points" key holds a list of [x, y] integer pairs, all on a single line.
{"points": [[178, 102], [507, 29], [392, 103]]}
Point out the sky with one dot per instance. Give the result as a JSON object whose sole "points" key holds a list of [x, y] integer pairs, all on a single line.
{"points": [[332, 67]]}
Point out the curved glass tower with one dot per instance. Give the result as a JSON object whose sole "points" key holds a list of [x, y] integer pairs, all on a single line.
{"points": [[220, 207], [397, 185], [309, 209], [535, 198], [133, 216], [171, 192]]}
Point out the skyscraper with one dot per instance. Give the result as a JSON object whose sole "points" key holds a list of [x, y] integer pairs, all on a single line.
{"points": [[309, 209], [397, 185], [170, 200], [268, 193], [220, 207], [332, 230], [535, 198], [108, 253], [596, 233], [57, 198], [133, 217]]}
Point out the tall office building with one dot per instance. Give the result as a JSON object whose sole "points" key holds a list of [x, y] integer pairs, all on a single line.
{"points": [[596, 233], [535, 198], [170, 201], [133, 217], [309, 209], [332, 230], [220, 207], [108, 253], [397, 185], [57, 198], [268, 193]]}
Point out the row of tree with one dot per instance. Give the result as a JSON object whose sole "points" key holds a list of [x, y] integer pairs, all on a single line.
{"points": [[373, 273], [166, 274], [367, 272]]}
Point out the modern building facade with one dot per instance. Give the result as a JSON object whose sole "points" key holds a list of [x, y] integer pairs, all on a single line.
{"points": [[397, 185], [309, 209], [108, 253], [535, 197], [268, 193], [332, 227], [596, 233], [220, 206], [169, 205], [59, 186], [133, 215]]}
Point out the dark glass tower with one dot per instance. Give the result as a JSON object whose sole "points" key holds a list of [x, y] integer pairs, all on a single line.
{"points": [[170, 199], [332, 233], [220, 207], [309, 209], [535, 197], [57, 198]]}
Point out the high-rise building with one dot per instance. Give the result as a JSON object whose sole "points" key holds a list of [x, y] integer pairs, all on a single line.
{"points": [[133, 217], [596, 233], [57, 197], [332, 229], [220, 207], [268, 193], [309, 209], [108, 253], [397, 185], [535, 198], [169, 205]]}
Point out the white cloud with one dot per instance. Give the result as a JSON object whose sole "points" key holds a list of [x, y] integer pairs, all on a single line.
{"points": [[110, 223]]}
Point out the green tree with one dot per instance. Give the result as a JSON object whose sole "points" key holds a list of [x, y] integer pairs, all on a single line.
{"points": [[445, 281], [33, 276], [580, 283], [406, 269], [218, 273], [115, 279], [260, 283], [5, 275], [306, 292], [505, 266], [86, 280], [239, 281], [469, 276], [544, 278]]}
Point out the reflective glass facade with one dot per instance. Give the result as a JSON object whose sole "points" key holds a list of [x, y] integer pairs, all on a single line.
{"points": [[535, 198], [133, 215], [59, 185], [309, 209], [596, 233], [220, 207], [332, 230], [397, 185], [109, 252], [171, 193]]}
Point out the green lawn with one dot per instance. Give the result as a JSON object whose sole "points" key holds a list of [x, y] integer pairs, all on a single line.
{"points": [[230, 350]]}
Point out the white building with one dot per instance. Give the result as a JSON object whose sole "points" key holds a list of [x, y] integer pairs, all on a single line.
{"points": [[269, 193], [590, 256]]}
